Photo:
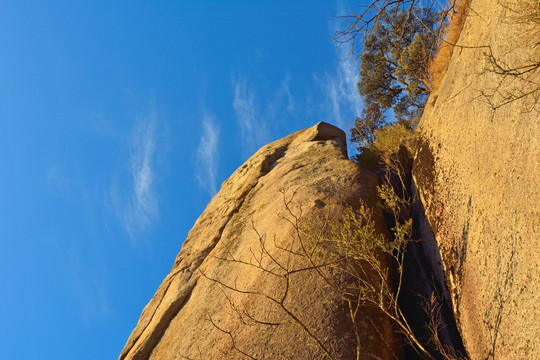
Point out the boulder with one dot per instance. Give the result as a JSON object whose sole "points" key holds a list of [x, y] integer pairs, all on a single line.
{"points": [[219, 300]]}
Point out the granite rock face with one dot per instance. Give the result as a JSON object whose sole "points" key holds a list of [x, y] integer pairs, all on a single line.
{"points": [[478, 175], [191, 316]]}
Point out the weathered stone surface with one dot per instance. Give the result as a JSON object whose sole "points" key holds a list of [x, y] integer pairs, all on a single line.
{"points": [[478, 174], [313, 165]]}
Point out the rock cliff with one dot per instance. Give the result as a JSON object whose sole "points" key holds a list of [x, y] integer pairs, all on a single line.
{"points": [[478, 175], [204, 308]]}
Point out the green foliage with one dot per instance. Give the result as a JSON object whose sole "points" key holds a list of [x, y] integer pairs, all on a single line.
{"points": [[385, 145], [394, 68], [389, 138], [352, 247], [357, 261], [368, 159]]}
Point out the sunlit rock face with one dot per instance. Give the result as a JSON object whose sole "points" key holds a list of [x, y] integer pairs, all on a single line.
{"points": [[194, 315], [478, 174]]}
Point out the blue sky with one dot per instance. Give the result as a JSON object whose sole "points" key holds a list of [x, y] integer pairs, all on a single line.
{"points": [[118, 122]]}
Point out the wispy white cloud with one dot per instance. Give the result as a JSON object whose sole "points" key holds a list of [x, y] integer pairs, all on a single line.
{"points": [[284, 94], [134, 197], [261, 119], [348, 78], [336, 101], [253, 129], [339, 86], [279, 110], [143, 208], [207, 155], [344, 103]]}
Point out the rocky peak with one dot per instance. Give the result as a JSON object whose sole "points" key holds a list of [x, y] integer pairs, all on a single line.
{"points": [[194, 314]]}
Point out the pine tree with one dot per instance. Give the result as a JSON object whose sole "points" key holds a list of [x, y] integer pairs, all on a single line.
{"points": [[394, 78]]}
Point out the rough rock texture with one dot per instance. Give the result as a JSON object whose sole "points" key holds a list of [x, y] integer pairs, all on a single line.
{"points": [[311, 168], [478, 175]]}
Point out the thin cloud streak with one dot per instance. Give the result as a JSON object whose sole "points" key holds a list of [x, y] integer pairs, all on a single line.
{"points": [[208, 156], [338, 103], [285, 92], [138, 208], [341, 92], [345, 104], [253, 129], [349, 78]]}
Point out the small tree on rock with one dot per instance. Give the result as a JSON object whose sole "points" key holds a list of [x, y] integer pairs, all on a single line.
{"points": [[399, 39]]}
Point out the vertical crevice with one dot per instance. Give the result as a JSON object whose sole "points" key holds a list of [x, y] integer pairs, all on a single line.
{"points": [[425, 293]]}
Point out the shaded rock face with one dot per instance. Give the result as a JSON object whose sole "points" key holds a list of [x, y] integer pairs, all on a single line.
{"points": [[478, 175], [194, 316]]}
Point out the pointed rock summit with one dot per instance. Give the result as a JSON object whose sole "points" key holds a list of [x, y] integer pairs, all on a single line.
{"points": [[221, 300]]}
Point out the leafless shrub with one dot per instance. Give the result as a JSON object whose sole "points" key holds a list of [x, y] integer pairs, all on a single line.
{"points": [[359, 24], [346, 248], [432, 307], [519, 79]]}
